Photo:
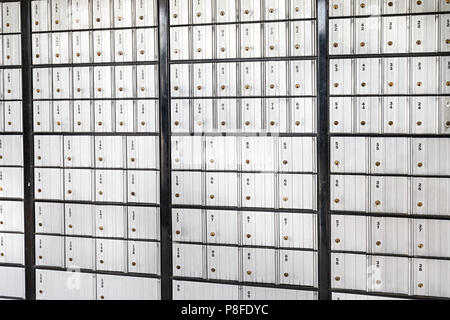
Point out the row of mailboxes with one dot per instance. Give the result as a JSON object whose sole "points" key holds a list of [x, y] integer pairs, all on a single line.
{"points": [[121, 222], [98, 14], [133, 186], [197, 290], [391, 34], [10, 17], [361, 297], [258, 190], [271, 115], [289, 267], [406, 156], [10, 116], [123, 45], [73, 285], [366, 76], [270, 78], [247, 228], [384, 235], [103, 116], [12, 282], [132, 152], [376, 7], [400, 275], [250, 40], [285, 154], [10, 84], [98, 254], [98, 82], [401, 195], [390, 115], [204, 12], [10, 50]]}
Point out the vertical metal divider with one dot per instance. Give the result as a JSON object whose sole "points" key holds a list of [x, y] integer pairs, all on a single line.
{"points": [[165, 176], [323, 152], [28, 149]]}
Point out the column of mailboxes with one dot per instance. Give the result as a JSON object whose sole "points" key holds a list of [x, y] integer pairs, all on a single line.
{"points": [[95, 93], [12, 250], [243, 148], [384, 178]]}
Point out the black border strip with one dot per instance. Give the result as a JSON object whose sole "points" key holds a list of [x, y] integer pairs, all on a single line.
{"points": [[323, 153], [165, 164], [28, 150]]}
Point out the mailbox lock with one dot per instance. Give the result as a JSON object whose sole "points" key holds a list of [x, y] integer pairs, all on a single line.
{"points": [[286, 274], [297, 86], [177, 123], [70, 226], [378, 163], [336, 162], [222, 13], [336, 123], [100, 192], [419, 84], [362, 44], [447, 84], [41, 292], [420, 204], [36, 23], [211, 160], [297, 123], [100, 159], [39, 157], [133, 194], [78, 54], [247, 48], [102, 297], [335, 45], [40, 223], [211, 197], [199, 50], [58, 90], [141, 17], [40, 257], [175, 88], [199, 87], [272, 47], [390, 43], [199, 14], [297, 9], [391, 84], [285, 162], [420, 246], [177, 195], [362, 5], [249, 235], [336, 200], [337, 240], [57, 55], [271, 10], [213, 269], [420, 164], [223, 123], [247, 161], [247, 87], [69, 158], [390, 3], [447, 41], [336, 84], [178, 232], [249, 272], [247, 197], [69, 191], [199, 123], [223, 87], [133, 264], [175, 16], [419, 3], [420, 285], [378, 282], [133, 159], [101, 261], [247, 123], [378, 243], [56, 21], [337, 278], [178, 267], [222, 49], [335, 7], [272, 86], [133, 229], [1, 222], [213, 234], [447, 124], [377, 203], [78, 89], [119, 18], [285, 199], [70, 259], [419, 123], [286, 238], [39, 190], [297, 46], [121, 123], [2, 254], [391, 123], [363, 84], [272, 123], [246, 11], [142, 52], [100, 228], [121, 89]]}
